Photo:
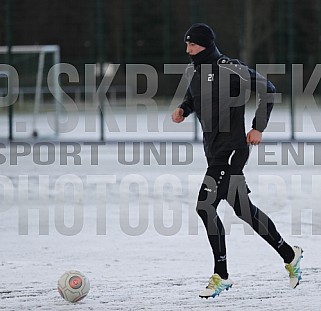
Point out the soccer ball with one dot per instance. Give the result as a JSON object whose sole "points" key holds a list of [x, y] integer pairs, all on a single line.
{"points": [[73, 286]]}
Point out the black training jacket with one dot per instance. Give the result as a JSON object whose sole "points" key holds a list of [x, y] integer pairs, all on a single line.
{"points": [[218, 91]]}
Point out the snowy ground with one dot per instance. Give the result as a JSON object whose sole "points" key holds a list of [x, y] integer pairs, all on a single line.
{"points": [[136, 234]]}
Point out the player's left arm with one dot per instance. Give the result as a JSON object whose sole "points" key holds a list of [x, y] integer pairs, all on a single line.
{"points": [[265, 91], [254, 137]]}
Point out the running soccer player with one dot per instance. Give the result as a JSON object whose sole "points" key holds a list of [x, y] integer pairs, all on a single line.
{"points": [[217, 93]]}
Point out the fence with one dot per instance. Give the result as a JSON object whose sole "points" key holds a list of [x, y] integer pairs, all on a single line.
{"points": [[139, 32]]}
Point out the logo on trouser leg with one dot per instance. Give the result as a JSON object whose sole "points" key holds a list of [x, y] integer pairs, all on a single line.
{"points": [[280, 243], [222, 258]]}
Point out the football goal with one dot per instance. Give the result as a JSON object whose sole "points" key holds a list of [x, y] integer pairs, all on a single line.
{"points": [[32, 63]]}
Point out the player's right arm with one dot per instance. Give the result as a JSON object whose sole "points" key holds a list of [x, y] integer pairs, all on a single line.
{"points": [[184, 109], [177, 115]]}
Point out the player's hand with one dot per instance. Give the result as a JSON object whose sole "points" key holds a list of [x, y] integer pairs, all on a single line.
{"points": [[177, 115], [254, 137]]}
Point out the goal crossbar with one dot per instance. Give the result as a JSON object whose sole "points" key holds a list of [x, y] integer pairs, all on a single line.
{"points": [[16, 49]]}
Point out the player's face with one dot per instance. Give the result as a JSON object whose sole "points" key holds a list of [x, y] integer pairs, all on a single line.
{"points": [[193, 48]]}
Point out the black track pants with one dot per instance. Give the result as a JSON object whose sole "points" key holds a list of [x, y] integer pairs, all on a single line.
{"points": [[226, 181]]}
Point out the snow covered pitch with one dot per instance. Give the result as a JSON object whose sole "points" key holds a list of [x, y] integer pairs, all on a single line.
{"points": [[127, 220], [133, 230]]}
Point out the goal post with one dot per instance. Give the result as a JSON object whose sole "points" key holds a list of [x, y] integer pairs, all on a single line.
{"points": [[40, 52]]}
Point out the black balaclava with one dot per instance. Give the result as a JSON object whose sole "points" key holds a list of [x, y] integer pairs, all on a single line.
{"points": [[202, 35]]}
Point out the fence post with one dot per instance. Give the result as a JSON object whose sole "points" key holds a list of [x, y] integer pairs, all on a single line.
{"points": [[9, 46]]}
